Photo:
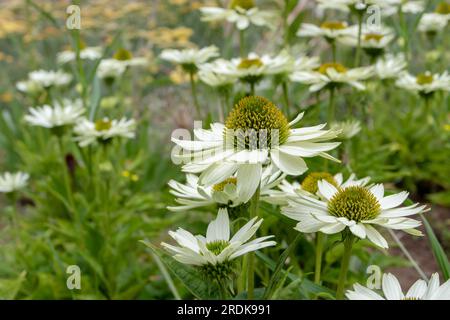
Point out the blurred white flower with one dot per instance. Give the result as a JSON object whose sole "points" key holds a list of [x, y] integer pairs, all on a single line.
{"points": [[217, 248], [420, 290], [102, 131], [209, 75], [241, 15], [110, 69], [432, 22], [59, 115], [10, 182], [373, 40], [424, 83], [231, 192], [44, 79], [406, 6], [330, 30], [89, 53], [29, 87], [253, 68], [190, 59], [390, 66], [356, 207], [333, 74], [347, 129], [352, 5]]}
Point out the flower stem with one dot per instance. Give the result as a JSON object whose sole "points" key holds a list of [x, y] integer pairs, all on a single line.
{"points": [[242, 43], [320, 237], [66, 174], [284, 85], [331, 106], [194, 93], [252, 88], [358, 48], [254, 204], [333, 50], [348, 243]]}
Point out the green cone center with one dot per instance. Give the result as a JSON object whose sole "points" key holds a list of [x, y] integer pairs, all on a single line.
{"points": [[355, 203], [254, 122], [217, 246], [244, 4], [103, 125], [310, 182]]}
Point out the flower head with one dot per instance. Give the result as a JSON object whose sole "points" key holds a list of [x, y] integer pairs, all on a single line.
{"points": [[330, 30], [11, 182], [356, 207], [390, 66], [103, 130], [217, 250], [424, 83], [420, 290], [190, 59], [89, 53], [255, 135], [333, 74], [44, 79], [57, 116]]}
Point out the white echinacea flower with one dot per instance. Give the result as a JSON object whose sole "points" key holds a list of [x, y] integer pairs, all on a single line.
{"points": [[356, 207], [253, 68], [420, 290], [432, 23], [59, 115], [228, 193], [103, 131], [88, 53], [329, 74], [217, 250], [11, 182], [374, 40], [309, 186], [424, 83], [242, 13], [190, 59], [330, 30], [390, 66], [255, 134], [44, 79]]}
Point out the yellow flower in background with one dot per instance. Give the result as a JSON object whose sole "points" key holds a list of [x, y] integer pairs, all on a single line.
{"points": [[179, 76], [166, 37]]}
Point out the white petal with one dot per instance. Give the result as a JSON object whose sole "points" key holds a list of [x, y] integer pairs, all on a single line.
{"points": [[391, 287]]}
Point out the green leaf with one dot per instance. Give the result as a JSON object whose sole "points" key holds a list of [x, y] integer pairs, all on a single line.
{"points": [[10, 287], [438, 252], [277, 274], [190, 277]]}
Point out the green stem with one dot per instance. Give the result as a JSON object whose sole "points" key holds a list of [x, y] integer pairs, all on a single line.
{"points": [[242, 43], [66, 174], [254, 204], [333, 50], [284, 85], [331, 106], [358, 48], [404, 33], [252, 88], [320, 237], [348, 243], [223, 292], [194, 93]]}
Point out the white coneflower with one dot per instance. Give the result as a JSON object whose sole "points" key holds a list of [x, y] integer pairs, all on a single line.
{"points": [[424, 83], [58, 116], [190, 59], [420, 290], [255, 134], [333, 74], [11, 182], [432, 23], [352, 5], [88, 53], [209, 74], [29, 87], [330, 30], [356, 207], [373, 40], [230, 192], [103, 131], [254, 68], [46, 79], [242, 13], [215, 253], [309, 186], [126, 58], [390, 66], [110, 69], [347, 129], [406, 6]]}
